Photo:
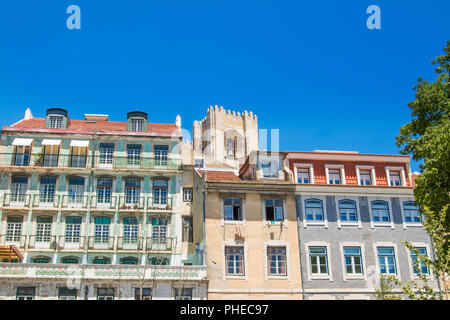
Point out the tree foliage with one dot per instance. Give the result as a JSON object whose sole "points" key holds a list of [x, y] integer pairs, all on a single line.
{"points": [[427, 138]]}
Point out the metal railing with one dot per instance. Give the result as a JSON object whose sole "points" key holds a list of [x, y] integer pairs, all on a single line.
{"points": [[104, 202], [20, 200], [159, 244], [130, 243], [159, 203], [75, 201], [45, 200], [134, 161], [127, 202], [101, 243], [71, 242], [18, 240], [42, 242]]}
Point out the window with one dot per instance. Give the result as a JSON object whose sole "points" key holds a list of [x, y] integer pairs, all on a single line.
{"points": [[365, 177], [146, 294], [303, 175], [50, 155], [132, 191], [65, 293], [353, 261], [274, 210], [130, 230], [76, 190], [232, 209], [386, 260], [43, 228], [231, 147], [314, 210], [182, 293], [137, 125], [106, 151], [187, 194], [14, 228], [334, 176], [380, 211], [187, 229], [234, 260], [421, 267], [411, 212], [25, 293], [22, 155], [270, 169], [55, 122], [47, 189], [70, 260], [101, 260], [129, 260], [41, 260], [159, 230], [73, 229], [318, 260], [160, 189], [347, 211], [78, 157], [101, 231], [18, 188], [161, 155], [134, 154], [276, 261], [104, 190], [105, 294], [394, 178], [198, 163], [159, 261]]}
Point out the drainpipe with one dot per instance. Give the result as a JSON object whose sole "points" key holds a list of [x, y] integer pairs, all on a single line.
{"points": [[299, 244]]}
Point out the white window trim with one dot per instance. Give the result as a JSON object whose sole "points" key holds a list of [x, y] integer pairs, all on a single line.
{"points": [[283, 222], [374, 224], [266, 267], [372, 170], [348, 223], [397, 265], [222, 210], [346, 276], [192, 194], [224, 268], [312, 277], [307, 223], [335, 166], [408, 224], [402, 175], [414, 276], [304, 165]]}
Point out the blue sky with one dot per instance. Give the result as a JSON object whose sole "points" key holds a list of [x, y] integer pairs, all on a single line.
{"points": [[311, 69]]}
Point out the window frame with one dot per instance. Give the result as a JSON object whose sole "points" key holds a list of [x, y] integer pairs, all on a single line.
{"points": [[360, 245], [25, 295], [373, 175], [402, 176], [308, 166], [341, 169], [341, 223], [226, 275], [306, 222], [310, 275], [373, 223], [184, 194], [409, 224], [413, 275], [241, 197], [283, 207], [277, 244], [396, 257]]}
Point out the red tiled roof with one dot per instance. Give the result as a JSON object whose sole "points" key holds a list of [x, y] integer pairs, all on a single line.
{"points": [[98, 127], [220, 176]]}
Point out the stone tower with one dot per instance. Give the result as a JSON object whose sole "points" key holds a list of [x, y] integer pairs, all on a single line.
{"points": [[225, 136]]}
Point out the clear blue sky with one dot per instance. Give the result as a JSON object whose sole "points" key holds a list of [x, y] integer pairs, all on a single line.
{"points": [[309, 68]]}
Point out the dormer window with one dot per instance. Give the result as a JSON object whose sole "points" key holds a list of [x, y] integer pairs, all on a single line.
{"points": [[137, 125], [56, 122], [335, 174]]}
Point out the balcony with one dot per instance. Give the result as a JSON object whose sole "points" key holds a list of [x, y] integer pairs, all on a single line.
{"points": [[101, 272], [159, 203], [105, 202], [42, 242], [101, 243], [17, 240], [75, 201], [17, 200], [127, 202], [45, 201], [134, 161], [129, 243], [159, 244], [73, 242]]}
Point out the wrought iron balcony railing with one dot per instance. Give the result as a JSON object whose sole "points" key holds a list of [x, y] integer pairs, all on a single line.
{"points": [[14, 239], [72, 242], [42, 241]]}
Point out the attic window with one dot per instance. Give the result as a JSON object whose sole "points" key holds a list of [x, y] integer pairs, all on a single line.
{"points": [[56, 122], [137, 125]]}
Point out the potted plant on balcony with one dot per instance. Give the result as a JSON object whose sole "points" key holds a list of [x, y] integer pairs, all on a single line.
{"points": [[38, 161]]}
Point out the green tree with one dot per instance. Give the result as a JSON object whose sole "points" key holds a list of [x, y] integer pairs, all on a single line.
{"points": [[427, 138]]}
